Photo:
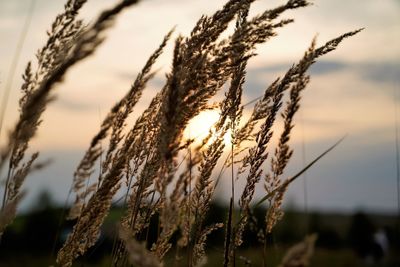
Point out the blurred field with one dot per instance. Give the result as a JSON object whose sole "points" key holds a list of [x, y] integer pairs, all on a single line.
{"points": [[29, 241]]}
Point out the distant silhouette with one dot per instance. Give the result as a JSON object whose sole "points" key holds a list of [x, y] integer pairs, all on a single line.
{"points": [[369, 243]]}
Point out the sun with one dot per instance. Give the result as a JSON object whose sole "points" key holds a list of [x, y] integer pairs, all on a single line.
{"points": [[199, 127]]}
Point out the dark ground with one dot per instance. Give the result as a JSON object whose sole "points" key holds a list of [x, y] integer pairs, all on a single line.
{"points": [[343, 239]]}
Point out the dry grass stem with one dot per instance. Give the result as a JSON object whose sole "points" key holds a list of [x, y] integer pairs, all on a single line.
{"points": [[299, 255]]}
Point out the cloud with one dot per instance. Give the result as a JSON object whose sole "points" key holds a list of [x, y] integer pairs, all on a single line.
{"points": [[381, 72], [74, 105], [375, 72]]}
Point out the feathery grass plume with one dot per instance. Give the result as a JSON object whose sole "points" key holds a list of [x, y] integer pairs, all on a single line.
{"points": [[7, 214], [192, 211], [204, 189], [262, 107], [231, 108], [61, 37], [182, 194], [188, 89], [138, 255], [142, 137], [19, 176], [185, 81], [114, 122], [199, 253], [265, 106], [83, 46], [175, 211], [180, 104], [86, 230], [209, 74], [73, 49], [139, 145], [64, 31], [168, 225], [273, 100], [299, 255], [174, 94], [132, 98], [147, 156], [263, 21], [149, 147], [102, 200], [283, 152], [256, 157], [138, 210]]}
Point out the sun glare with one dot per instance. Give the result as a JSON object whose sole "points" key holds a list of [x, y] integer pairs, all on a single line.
{"points": [[200, 126]]}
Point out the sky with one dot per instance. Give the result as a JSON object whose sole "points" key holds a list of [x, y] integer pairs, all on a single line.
{"points": [[354, 91]]}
